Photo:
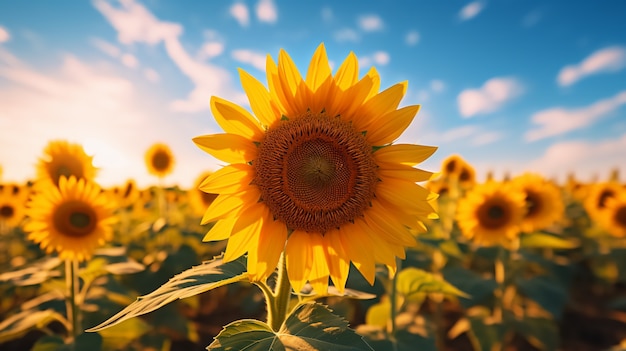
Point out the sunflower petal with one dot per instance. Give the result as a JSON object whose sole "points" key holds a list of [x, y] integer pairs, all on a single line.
{"points": [[228, 180], [235, 120], [360, 251], [231, 148], [319, 69], [299, 256], [221, 230], [260, 99], [272, 240], [409, 154], [228, 205], [338, 261], [348, 73], [389, 127], [245, 234]]}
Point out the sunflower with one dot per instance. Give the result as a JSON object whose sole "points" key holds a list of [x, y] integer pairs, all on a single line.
{"points": [[198, 199], [62, 158], [598, 195], [125, 195], [159, 160], [544, 203], [73, 219], [12, 205], [491, 213], [313, 172], [452, 165], [613, 218]]}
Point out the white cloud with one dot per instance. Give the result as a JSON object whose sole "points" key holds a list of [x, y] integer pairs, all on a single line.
{"points": [[611, 59], [129, 60], [437, 85], [151, 75], [4, 35], [266, 11], [256, 59], [489, 98], [134, 23], [457, 133], [485, 138], [106, 47], [240, 12], [370, 23], [380, 58], [210, 50], [327, 14], [558, 120], [412, 38], [471, 10], [346, 34], [422, 96]]}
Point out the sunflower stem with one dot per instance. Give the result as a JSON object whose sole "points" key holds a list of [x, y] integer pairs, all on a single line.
{"points": [[278, 304], [71, 282], [394, 299]]}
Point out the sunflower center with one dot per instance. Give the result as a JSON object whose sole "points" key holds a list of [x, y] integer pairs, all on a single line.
{"points": [[160, 160], [315, 172], [620, 216], [129, 190], [464, 176], [605, 195], [6, 211], [61, 171], [74, 219], [533, 203], [451, 166], [493, 215]]}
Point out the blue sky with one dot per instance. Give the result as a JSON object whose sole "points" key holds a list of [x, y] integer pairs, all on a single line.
{"points": [[510, 85]]}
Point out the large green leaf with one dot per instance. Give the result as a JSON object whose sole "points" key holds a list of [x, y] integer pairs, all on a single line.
{"points": [[413, 282], [310, 326], [209, 275]]}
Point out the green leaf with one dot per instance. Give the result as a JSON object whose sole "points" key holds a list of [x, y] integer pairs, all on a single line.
{"points": [[209, 275], [479, 288], [542, 333], [118, 336], [307, 291], [48, 343], [545, 290], [413, 282], [19, 324], [544, 240], [309, 326], [379, 314]]}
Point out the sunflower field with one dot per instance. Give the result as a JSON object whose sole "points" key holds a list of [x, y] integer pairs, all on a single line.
{"points": [[319, 233]]}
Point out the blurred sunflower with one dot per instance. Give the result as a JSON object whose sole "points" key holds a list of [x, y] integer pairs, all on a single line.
{"points": [[313, 172], [452, 166], [62, 158], [544, 203], [125, 195], [12, 205], [198, 199], [73, 219], [613, 218], [597, 196], [491, 213], [159, 160]]}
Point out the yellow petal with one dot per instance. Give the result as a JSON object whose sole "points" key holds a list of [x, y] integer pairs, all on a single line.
{"points": [[348, 73], [228, 205], [299, 256], [387, 227], [245, 234], [272, 239], [389, 127], [276, 92], [228, 180], [235, 120], [408, 154], [382, 103], [259, 97], [231, 148], [375, 77], [360, 251], [221, 230], [404, 194], [319, 268], [319, 69], [404, 172], [289, 80], [338, 260]]}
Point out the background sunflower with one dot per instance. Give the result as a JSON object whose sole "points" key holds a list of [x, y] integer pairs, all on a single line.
{"points": [[159, 160], [62, 158]]}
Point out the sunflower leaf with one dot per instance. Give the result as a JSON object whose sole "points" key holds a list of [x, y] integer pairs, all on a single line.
{"points": [[310, 326], [209, 275], [544, 240], [414, 282]]}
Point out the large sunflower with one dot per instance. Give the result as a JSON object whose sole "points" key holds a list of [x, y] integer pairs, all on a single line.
{"points": [[491, 213], [313, 172], [613, 218], [62, 158], [159, 160], [73, 219], [544, 203]]}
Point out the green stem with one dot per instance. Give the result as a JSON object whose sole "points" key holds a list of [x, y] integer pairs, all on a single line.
{"points": [[70, 300], [278, 304], [499, 275], [394, 299]]}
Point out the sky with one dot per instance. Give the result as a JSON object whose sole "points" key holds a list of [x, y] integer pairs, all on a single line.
{"points": [[511, 86]]}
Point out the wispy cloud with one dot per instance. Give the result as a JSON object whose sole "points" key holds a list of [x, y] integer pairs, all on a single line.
{"points": [[135, 24], [559, 120], [494, 94], [486, 138], [437, 85], [379, 58], [4, 35], [370, 23], [327, 14], [468, 134], [412, 38], [346, 34], [240, 12], [106, 47], [471, 10], [256, 59], [611, 59], [210, 50], [151, 75], [129, 60], [266, 11]]}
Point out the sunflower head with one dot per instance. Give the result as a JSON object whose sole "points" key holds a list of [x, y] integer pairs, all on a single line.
{"points": [[72, 220], [125, 195], [64, 159], [613, 218], [159, 160], [491, 213], [544, 204], [313, 172], [598, 195], [12, 204]]}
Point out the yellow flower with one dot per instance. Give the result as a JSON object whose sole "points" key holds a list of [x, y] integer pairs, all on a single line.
{"points": [[491, 213], [613, 218], [126, 195], [73, 219], [62, 158], [12, 205], [597, 196], [198, 199], [313, 172], [159, 160], [543, 202]]}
